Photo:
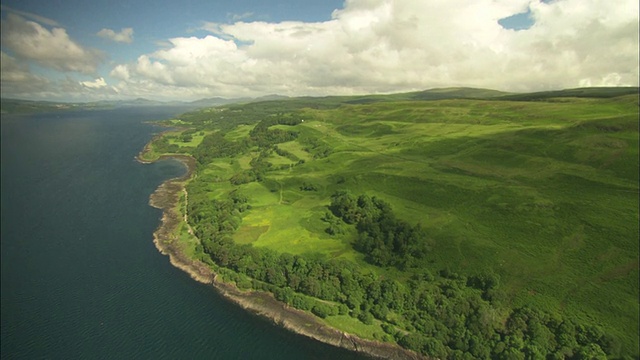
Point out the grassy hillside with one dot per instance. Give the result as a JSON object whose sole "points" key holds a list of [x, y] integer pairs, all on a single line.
{"points": [[542, 193], [590, 92]]}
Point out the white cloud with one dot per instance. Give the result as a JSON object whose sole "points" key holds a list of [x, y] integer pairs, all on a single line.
{"points": [[120, 72], [95, 84], [49, 48], [16, 79], [73, 90], [385, 46], [124, 36]]}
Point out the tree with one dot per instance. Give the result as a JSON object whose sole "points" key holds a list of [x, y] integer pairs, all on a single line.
{"points": [[301, 302], [308, 187], [413, 341], [335, 224], [592, 352], [366, 318], [322, 310], [435, 348], [344, 206]]}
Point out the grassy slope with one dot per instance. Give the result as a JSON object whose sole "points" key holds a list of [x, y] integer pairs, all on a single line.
{"points": [[544, 193]]}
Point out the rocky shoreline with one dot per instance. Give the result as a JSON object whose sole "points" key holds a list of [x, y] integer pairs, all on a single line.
{"points": [[264, 304]]}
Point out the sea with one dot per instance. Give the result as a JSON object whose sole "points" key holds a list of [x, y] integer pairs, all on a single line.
{"points": [[81, 277]]}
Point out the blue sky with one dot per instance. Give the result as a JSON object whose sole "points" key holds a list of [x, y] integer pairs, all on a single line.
{"points": [[72, 50]]}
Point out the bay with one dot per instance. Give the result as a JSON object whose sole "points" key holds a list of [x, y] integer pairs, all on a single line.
{"points": [[81, 277]]}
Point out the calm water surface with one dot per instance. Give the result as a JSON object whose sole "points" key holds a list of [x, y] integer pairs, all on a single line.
{"points": [[81, 277]]}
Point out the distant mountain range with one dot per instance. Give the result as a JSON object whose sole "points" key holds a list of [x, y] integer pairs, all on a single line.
{"points": [[216, 101], [28, 106]]}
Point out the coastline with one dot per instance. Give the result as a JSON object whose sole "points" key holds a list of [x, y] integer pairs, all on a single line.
{"points": [[166, 197]]}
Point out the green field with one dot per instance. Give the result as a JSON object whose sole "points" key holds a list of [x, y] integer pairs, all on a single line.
{"points": [[543, 193]]}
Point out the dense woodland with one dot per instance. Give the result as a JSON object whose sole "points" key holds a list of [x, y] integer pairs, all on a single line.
{"points": [[386, 240]]}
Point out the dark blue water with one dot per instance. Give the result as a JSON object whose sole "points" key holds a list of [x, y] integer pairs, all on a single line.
{"points": [[81, 277]]}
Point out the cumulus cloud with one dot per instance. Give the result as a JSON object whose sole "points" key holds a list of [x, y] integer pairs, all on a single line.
{"points": [[49, 48], [95, 84], [124, 36], [120, 72], [16, 79], [70, 89], [385, 46]]}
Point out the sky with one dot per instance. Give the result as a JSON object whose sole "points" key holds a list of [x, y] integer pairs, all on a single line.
{"points": [[78, 50]]}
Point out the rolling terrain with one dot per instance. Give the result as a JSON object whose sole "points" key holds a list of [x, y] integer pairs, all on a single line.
{"points": [[521, 204]]}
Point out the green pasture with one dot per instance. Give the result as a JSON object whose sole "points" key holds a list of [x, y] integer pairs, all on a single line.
{"points": [[295, 148], [284, 220], [241, 131], [243, 162], [196, 138], [279, 161]]}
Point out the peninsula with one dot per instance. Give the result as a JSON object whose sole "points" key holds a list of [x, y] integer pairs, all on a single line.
{"points": [[450, 223]]}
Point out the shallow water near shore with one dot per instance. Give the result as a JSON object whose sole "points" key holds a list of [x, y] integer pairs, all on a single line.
{"points": [[81, 277]]}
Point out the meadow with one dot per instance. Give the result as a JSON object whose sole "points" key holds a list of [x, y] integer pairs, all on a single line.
{"points": [[540, 190]]}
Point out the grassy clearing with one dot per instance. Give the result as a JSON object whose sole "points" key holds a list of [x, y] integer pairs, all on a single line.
{"points": [[355, 326], [296, 149], [270, 222], [195, 140], [241, 131]]}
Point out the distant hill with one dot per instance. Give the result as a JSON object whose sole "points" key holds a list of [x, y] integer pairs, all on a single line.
{"points": [[477, 93], [589, 92], [28, 106], [216, 101], [271, 97], [431, 94], [457, 93], [15, 106], [18, 106]]}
